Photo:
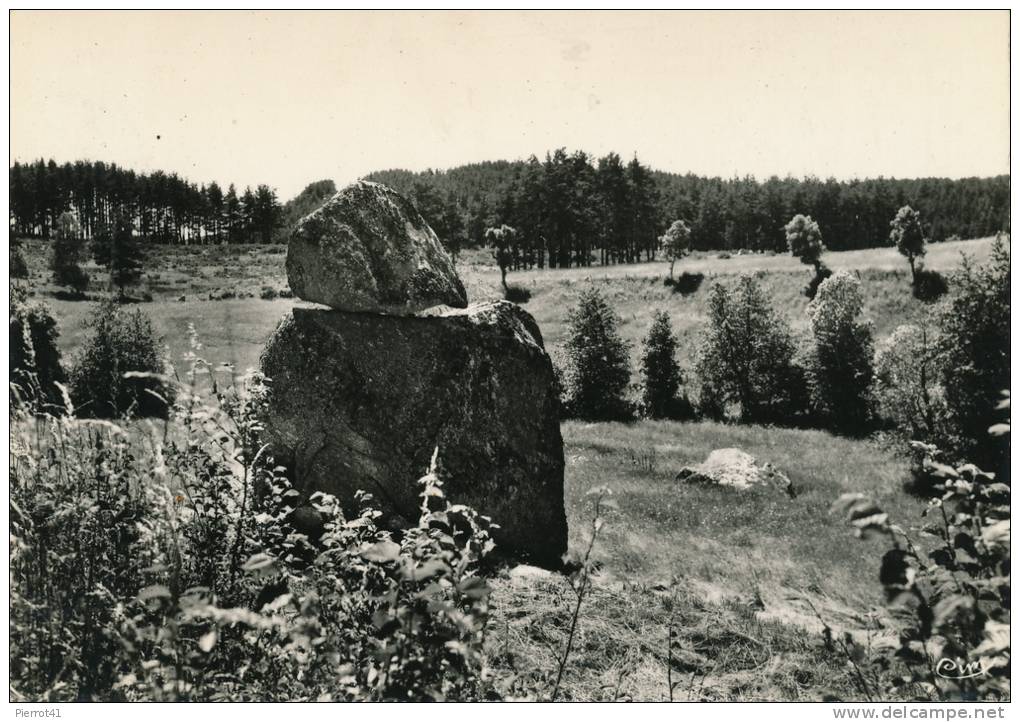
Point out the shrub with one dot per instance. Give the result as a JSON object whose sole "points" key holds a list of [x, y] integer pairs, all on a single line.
{"points": [[929, 285], [35, 365], [907, 388], [18, 264], [974, 345], [268, 293], [119, 368], [517, 294], [661, 376], [839, 367], [145, 566], [952, 593], [687, 283], [598, 362], [746, 356]]}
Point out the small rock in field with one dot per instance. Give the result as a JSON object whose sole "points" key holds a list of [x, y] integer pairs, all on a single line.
{"points": [[529, 572], [737, 469]]}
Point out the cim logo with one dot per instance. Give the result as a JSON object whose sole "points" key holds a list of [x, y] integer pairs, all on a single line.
{"points": [[958, 669]]}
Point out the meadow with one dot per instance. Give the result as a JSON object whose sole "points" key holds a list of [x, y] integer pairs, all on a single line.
{"points": [[218, 289], [747, 580]]}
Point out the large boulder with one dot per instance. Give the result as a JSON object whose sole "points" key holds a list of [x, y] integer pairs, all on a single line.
{"points": [[737, 469], [359, 401], [368, 249]]}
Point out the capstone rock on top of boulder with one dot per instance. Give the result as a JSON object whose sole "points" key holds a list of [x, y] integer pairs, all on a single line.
{"points": [[368, 249]]}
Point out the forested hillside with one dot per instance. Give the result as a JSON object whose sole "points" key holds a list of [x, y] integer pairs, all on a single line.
{"points": [[574, 203]]}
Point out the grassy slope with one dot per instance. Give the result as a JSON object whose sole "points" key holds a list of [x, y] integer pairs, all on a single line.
{"points": [[724, 548]]}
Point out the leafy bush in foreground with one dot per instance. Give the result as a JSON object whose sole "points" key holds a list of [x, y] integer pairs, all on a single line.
{"points": [[119, 368], [951, 594], [162, 565], [974, 347]]}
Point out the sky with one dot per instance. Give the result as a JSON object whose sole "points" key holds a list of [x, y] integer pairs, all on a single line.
{"points": [[286, 98]]}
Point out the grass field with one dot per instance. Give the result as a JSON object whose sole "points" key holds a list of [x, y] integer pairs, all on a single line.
{"points": [[742, 564], [735, 573]]}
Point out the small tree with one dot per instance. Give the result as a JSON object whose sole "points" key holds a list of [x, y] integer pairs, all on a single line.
{"points": [[908, 237], [116, 247], [18, 264], [67, 255], [676, 243], [598, 360], [502, 239], [119, 342], [746, 356], [804, 238], [840, 368], [660, 371], [907, 388], [35, 365]]}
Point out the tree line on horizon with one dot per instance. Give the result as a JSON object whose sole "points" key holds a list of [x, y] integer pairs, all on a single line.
{"points": [[569, 209], [580, 209], [162, 207]]}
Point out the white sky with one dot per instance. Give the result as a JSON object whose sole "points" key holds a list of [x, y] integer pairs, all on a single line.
{"points": [[288, 98]]}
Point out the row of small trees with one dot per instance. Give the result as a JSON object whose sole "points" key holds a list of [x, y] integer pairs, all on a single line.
{"points": [[747, 360], [937, 381], [803, 238]]}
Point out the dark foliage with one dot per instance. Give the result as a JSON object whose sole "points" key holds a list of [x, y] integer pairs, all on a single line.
{"points": [[119, 368], [598, 370], [116, 247], [67, 254], [821, 273], [974, 345], [660, 373], [687, 283], [35, 363], [18, 267], [929, 285], [746, 358], [840, 365], [517, 294]]}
